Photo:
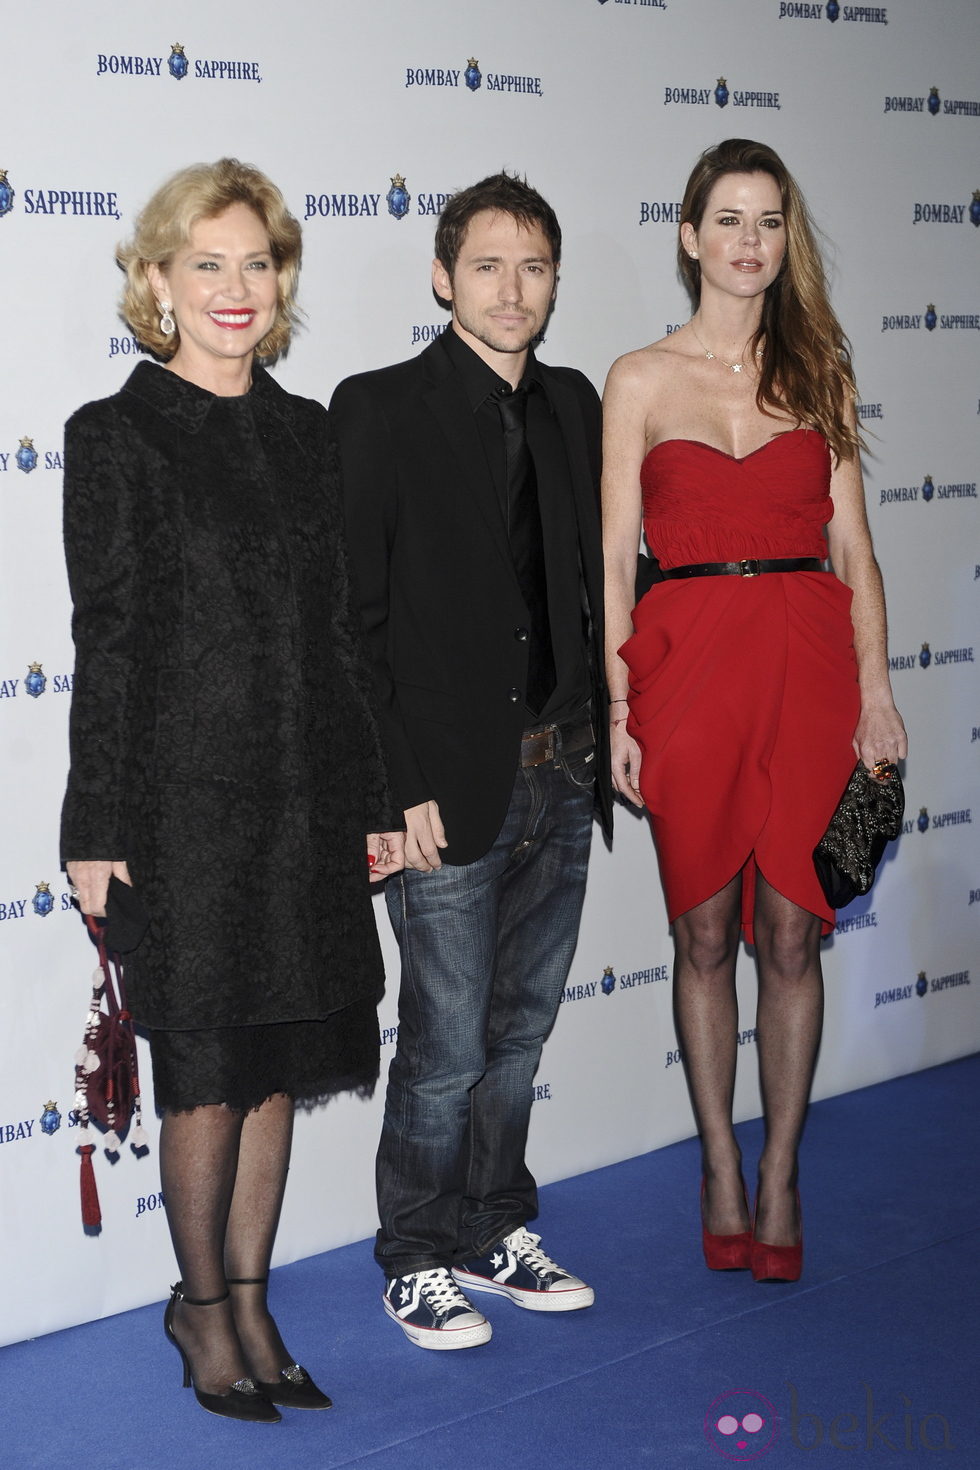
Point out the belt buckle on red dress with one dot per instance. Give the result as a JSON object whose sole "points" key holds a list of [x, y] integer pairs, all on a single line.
{"points": [[749, 567]]}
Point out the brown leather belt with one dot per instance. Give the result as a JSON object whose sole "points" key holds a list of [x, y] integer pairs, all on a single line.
{"points": [[538, 746], [748, 567]]}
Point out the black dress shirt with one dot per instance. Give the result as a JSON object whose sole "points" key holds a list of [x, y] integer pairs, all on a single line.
{"points": [[566, 602]]}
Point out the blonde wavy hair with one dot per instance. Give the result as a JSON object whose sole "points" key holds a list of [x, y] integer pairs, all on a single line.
{"points": [[163, 227], [806, 358]]}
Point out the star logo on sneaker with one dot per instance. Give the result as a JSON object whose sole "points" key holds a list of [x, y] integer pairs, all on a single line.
{"points": [[519, 1269], [433, 1312]]}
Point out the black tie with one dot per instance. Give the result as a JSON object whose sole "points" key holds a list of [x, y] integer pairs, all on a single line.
{"points": [[527, 546]]}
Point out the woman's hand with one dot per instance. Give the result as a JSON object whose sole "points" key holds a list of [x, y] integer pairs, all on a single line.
{"points": [[880, 735], [625, 759], [630, 390], [385, 854], [91, 882]]}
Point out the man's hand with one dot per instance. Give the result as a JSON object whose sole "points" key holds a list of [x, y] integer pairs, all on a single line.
{"points": [[424, 838]]}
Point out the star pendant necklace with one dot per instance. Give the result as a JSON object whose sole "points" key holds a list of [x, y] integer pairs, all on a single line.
{"points": [[735, 367]]}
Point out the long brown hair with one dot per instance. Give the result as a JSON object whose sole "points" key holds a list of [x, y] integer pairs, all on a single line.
{"points": [[806, 358]]}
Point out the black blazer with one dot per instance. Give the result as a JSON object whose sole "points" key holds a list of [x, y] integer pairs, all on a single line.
{"points": [[437, 588]]}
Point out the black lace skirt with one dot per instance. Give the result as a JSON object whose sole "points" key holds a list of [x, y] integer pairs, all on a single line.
{"points": [[241, 1066]]}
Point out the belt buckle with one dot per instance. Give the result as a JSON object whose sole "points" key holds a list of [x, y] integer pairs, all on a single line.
{"points": [[749, 567], [541, 747]]}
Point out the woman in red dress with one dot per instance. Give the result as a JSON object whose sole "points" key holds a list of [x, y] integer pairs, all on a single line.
{"points": [[744, 683]]}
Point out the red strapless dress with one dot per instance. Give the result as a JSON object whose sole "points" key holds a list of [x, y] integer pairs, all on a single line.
{"points": [[743, 691]]}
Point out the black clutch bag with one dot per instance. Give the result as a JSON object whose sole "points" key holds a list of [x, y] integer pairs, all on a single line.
{"points": [[868, 816]]}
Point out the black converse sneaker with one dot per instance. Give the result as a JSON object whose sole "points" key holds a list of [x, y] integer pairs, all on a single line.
{"points": [[518, 1268], [433, 1312]]}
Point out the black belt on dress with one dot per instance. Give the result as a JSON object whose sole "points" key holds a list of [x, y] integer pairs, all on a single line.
{"points": [[749, 567], [538, 746]]}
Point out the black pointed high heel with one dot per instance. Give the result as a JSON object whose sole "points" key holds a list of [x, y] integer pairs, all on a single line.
{"points": [[295, 1388], [244, 1400]]}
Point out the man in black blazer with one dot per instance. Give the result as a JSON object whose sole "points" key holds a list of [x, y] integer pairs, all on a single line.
{"points": [[471, 484]]}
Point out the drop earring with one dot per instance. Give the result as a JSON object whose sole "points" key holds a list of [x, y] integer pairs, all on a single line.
{"points": [[167, 324]]}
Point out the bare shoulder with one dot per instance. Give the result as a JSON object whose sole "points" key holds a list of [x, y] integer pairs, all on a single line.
{"points": [[643, 370]]}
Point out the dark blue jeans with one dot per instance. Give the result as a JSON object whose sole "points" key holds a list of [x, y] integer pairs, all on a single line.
{"points": [[485, 951]]}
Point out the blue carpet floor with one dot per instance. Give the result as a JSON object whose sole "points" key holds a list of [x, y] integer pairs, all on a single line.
{"points": [[872, 1359]]}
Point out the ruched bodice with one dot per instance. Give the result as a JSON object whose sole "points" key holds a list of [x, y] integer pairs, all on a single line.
{"points": [[701, 504], [743, 691]]}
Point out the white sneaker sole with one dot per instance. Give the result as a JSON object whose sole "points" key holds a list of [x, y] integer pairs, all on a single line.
{"points": [[571, 1300], [441, 1339]]}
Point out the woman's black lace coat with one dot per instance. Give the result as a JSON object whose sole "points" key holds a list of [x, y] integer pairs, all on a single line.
{"points": [[222, 738]]}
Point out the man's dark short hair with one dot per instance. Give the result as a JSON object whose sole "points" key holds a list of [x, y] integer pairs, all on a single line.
{"points": [[502, 194]]}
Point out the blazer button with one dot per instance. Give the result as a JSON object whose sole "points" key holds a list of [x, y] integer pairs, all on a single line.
{"points": [[521, 635], [514, 695]]}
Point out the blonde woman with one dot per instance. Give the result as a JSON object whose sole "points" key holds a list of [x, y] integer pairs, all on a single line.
{"points": [[224, 752]]}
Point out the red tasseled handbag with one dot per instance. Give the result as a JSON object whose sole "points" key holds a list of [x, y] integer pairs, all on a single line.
{"points": [[107, 1084]]}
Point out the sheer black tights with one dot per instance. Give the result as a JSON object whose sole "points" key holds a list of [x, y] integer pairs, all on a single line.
{"points": [[788, 1024], [223, 1175]]}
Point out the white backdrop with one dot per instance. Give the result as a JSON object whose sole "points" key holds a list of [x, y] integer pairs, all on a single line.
{"points": [[604, 104]]}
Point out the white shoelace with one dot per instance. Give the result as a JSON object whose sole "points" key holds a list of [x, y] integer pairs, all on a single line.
{"points": [[527, 1248], [438, 1288]]}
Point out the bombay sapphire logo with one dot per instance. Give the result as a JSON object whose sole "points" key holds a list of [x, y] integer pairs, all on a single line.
{"points": [[398, 198], [928, 488], [50, 1118], [43, 901], [930, 318], [36, 682], [932, 101], [921, 984], [177, 62], [472, 76], [6, 194], [721, 92], [974, 207], [26, 456], [925, 656], [608, 982], [922, 820], [833, 10]]}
